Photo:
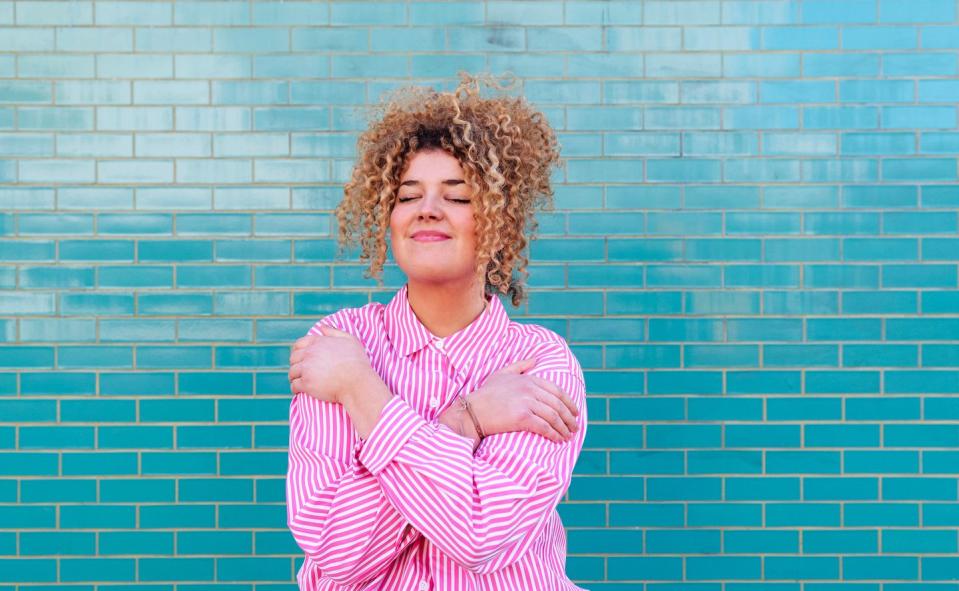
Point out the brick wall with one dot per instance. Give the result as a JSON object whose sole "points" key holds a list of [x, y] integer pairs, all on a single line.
{"points": [[753, 255]]}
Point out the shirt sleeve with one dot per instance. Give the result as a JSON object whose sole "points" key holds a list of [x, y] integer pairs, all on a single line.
{"points": [[336, 510], [484, 510]]}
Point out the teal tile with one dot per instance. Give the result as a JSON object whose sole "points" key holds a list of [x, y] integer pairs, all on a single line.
{"points": [[62, 543], [56, 437], [134, 437], [97, 516], [176, 516], [135, 276]]}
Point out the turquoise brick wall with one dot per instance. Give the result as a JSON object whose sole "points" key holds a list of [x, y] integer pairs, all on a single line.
{"points": [[753, 254]]}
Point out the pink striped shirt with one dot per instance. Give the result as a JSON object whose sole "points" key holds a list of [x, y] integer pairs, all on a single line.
{"points": [[411, 507]]}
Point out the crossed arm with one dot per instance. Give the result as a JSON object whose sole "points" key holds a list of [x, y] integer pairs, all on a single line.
{"points": [[413, 477]]}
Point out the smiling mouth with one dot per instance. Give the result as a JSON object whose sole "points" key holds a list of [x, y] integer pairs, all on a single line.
{"points": [[430, 238]]}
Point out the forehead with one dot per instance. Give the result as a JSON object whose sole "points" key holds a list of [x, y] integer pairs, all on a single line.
{"points": [[430, 165]]}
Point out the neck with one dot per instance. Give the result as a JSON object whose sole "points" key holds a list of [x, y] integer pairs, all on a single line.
{"points": [[445, 309]]}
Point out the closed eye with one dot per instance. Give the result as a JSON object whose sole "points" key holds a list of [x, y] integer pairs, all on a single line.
{"points": [[412, 197]]}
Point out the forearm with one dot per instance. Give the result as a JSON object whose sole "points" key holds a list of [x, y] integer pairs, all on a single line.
{"points": [[456, 418], [352, 532], [364, 403], [481, 512], [333, 501]]}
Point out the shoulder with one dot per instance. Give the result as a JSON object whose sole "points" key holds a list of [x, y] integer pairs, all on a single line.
{"points": [[551, 351], [358, 321]]}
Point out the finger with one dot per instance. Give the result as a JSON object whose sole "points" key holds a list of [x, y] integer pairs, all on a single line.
{"points": [[539, 426], [552, 417], [519, 366], [296, 371], [558, 392], [297, 356], [296, 386], [333, 332], [304, 341], [561, 409]]}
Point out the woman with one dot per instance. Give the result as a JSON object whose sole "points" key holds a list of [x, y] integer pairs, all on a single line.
{"points": [[431, 438]]}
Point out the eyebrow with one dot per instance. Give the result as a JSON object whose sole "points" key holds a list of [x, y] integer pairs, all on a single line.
{"points": [[449, 182]]}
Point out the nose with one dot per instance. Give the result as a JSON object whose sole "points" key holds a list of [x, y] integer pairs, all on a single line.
{"points": [[429, 206]]}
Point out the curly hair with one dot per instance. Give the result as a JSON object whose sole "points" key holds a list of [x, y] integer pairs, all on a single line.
{"points": [[505, 147]]}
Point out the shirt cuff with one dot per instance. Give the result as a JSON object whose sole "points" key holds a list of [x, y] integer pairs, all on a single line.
{"points": [[397, 423]]}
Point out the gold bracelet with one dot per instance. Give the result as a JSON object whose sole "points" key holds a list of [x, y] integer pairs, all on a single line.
{"points": [[469, 410]]}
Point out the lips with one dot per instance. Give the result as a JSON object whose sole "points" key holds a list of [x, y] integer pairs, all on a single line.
{"points": [[429, 236]]}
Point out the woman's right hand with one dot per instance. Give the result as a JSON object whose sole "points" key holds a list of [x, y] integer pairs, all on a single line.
{"points": [[510, 400]]}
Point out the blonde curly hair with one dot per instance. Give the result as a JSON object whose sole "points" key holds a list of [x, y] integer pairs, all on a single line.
{"points": [[505, 147]]}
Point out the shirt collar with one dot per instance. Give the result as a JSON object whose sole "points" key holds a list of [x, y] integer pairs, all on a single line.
{"points": [[408, 335]]}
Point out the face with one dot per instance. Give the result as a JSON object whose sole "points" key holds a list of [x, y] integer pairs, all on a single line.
{"points": [[432, 230]]}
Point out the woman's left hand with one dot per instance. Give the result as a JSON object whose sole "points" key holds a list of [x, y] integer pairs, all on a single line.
{"points": [[325, 366]]}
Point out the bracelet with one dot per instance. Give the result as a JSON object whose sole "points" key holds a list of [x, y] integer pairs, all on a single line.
{"points": [[469, 410]]}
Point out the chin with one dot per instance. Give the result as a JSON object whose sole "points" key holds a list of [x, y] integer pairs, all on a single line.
{"points": [[431, 274]]}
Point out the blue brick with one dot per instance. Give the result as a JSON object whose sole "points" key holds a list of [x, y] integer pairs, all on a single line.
{"points": [[134, 437], [667, 65], [136, 276], [840, 118], [761, 117], [756, 13], [923, 489], [928, 64], [884, 37], [33, 570], [841, 489], [28, 464], [942, 11], [780, 38], [20, 357], [761, 488], [173, 516], [937, 91], [589, 13], [823, 11], [801, 514], [797, 92], [939, 37], [97, 410], [921, 541], [889, 462], [97, 516], [63, 543], [723, 567], [56, 437], [748, 65], [680, 436], [801, 567], [802, 462], [682, 541], [940, 143], [445, 13], [724, 462], [839, 64], [884, 567], [62, 384], [772, 542]]}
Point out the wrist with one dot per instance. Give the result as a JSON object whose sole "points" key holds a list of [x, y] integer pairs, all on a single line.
{"points": [[458, 421], [466, 402], [363, 381]]}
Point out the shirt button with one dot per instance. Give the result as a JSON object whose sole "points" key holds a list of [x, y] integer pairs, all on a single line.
{"points": [[424, 585], [434, 402], [439, 345]]}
